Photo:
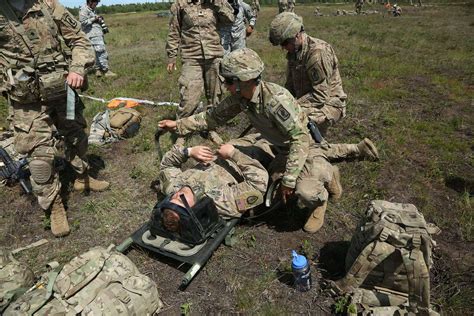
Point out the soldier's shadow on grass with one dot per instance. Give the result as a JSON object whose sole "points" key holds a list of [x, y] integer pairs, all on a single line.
{"points": [[332, 258]]}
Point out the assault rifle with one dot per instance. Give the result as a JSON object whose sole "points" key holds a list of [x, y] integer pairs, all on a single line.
{"points": [[13, 171]]}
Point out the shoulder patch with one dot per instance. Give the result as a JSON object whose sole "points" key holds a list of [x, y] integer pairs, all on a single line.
{"points": [[314, 75], [252, 199], [282, 113], [68, 19]]}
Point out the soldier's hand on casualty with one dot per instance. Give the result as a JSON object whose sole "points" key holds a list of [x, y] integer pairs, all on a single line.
{"points": [[225, 151], [74, 80], [167, 125], [286, 192], [249, 30], [201, 153], [171, 67]]}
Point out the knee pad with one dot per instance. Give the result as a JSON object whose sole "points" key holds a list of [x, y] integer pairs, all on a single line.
{"points": [[41, 170]]}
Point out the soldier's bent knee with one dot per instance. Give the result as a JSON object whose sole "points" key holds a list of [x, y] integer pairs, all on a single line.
{"points": [[41, 170]]}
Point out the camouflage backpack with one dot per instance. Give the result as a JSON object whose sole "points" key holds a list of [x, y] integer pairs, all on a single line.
{"points": [[98, 282], [15, 278], [390, 253], [110, 126]]}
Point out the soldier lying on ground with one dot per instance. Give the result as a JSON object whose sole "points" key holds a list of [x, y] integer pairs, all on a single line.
{"points": [[277, 116], [233, 180]]}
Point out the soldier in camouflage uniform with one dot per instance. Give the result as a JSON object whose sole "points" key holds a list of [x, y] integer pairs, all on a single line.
{"points": [[274, 112], [35, 69], [193, 30], [313, 71], [215, 178], [286, 6], [255, 4], [233, 36], [91, 25]]}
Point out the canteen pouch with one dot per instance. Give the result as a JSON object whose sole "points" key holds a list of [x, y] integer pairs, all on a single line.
{"points": [[22, 86], [52, 86]]}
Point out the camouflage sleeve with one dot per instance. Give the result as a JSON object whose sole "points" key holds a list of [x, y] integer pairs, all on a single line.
{"points": [[212, 118], [83, 55], [174, 34], [319, 69], [291, 120], [86, 17], [249, 15], [170, 166], [225, 12]]}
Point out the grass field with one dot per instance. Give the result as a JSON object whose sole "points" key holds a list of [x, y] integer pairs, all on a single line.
{"points": [[410, 82]]}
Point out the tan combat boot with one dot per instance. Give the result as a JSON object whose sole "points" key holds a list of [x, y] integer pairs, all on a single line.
{"points": [[110, 74], [368, 150], [316, 219], [59, 224], [84, 182], [334, 187]]}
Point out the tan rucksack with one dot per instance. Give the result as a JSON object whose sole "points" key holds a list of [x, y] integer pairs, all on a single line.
{"points": [[15, 278], [98, 282], [391, 251], [111, 126]]}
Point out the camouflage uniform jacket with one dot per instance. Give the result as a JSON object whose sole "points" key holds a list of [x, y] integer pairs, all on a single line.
{"points": [[193, 28], [90, 26], [313, 73], [39, 49], [219, 180], [274, 113]]}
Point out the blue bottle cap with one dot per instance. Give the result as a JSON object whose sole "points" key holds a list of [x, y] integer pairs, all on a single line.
{"points": [[299, 261]]}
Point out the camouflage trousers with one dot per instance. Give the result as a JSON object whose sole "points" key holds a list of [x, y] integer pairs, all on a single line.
{"points": [[317, 173], [196, 75], [232, 43], [101, 55], [36, 126]]}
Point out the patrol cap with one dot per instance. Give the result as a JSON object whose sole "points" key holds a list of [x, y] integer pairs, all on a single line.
{"points": [[243, 64], [284, 26]]}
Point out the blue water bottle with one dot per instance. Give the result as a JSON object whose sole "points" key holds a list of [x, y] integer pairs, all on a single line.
{"points": [[301, 272]]}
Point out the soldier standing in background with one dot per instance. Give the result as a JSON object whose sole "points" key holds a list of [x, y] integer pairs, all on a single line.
{"points": [[313, 71], [358, 6], [255, 7], [92, 25], [193, 31], [233, 36], [35, 70]]}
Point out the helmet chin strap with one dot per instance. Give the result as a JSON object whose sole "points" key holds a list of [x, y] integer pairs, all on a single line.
{"points": [[237, 86]]}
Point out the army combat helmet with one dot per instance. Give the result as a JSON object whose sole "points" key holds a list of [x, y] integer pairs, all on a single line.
{"points": [[285, 26], [243, 64]]}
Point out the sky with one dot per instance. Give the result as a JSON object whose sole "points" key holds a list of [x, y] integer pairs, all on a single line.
{"points": [[78, 3]]}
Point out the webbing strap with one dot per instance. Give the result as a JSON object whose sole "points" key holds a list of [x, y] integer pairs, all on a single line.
{"points": [[49, 289], [372, 255], [418, 286]]}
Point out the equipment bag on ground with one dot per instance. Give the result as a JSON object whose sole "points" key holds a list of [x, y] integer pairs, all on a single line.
{"points": [[98, 282], [391, 249], [110, 126], [15, 278]]}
